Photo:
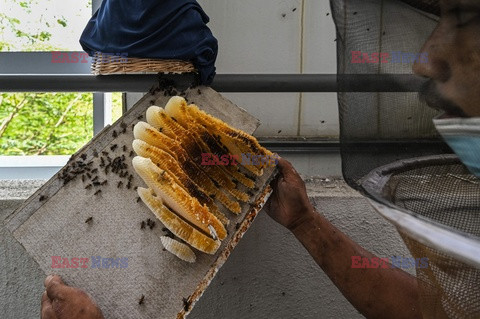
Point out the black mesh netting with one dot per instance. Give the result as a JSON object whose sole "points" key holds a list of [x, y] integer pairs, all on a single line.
{"points": [[378, 128], [381, 134]]}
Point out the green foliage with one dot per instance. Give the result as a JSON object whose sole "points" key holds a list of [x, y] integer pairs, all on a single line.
{"points": [[117, 110], [62, 22], [36, 128]]}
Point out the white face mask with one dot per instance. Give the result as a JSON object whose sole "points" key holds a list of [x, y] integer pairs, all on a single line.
{"points": [[463, 137]]}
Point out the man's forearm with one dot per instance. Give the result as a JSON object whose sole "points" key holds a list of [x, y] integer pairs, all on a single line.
{"points": [[375, 292]]}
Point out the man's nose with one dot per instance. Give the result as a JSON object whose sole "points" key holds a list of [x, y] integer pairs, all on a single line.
{"points": [[435, 64]]}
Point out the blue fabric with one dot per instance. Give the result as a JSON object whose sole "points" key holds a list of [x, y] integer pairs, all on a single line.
{"points": [[467, 148], [162, 29], [463, 137]]}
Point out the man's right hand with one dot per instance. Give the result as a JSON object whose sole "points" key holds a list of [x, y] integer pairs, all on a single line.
{"points": [[289, 204]]}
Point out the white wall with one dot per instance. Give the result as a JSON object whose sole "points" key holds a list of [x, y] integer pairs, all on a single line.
{"points": [[278, 36]]}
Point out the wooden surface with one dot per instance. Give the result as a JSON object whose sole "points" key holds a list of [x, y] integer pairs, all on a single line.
{"points": [[53, 223]]}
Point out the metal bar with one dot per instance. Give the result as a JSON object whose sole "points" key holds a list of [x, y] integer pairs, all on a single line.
{"points": [[102, 111], [301, 146], [222, 82]]}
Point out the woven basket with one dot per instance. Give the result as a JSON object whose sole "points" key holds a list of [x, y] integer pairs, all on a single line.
{"points": [[111, 64]]}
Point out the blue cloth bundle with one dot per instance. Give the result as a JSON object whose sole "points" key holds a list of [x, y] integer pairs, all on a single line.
{"points": [[159, 29]]}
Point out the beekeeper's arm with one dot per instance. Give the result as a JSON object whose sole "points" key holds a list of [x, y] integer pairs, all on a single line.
{"points": [[375, 292]]}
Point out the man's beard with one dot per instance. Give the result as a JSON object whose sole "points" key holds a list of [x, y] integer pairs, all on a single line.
{"points": [[434, 99]]}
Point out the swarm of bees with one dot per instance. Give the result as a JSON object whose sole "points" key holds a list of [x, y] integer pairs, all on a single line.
{"points": [[182, 193]]}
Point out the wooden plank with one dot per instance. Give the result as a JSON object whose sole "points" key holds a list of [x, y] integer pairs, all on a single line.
{"points": [[53, 223]]}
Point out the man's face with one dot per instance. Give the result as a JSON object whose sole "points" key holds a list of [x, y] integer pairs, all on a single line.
{"points": [[454, 60]]}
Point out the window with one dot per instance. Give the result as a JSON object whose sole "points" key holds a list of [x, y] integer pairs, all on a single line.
{"points": [[50, 124]]}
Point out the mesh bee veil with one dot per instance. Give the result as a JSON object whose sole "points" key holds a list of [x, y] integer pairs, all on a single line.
{"points": [[392, 153]]}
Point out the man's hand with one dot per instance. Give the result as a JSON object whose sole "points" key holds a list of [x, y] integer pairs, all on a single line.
{"points": [[60, 301], [289, 204]]}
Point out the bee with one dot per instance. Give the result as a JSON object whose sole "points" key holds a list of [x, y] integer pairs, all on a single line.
{"points": [[88, 186], [133, 126], [95, 153], [114, 134], [124, 148], [104, 182], [237, 226], [42, 198], [105, 153], [140, 117], [129, 185], [199, 92], [294, 9], [138, 199], [83, 156], [168, 233], [279, 131], [113, 147], [94, 170], [119, 184], [83, 178], [142, 225], [97, 192], [186, 304], [95, 178], [89, 219], [142, 298], [150, 223]]}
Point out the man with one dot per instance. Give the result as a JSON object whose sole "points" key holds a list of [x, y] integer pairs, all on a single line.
{"points": [[453, 66]]}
